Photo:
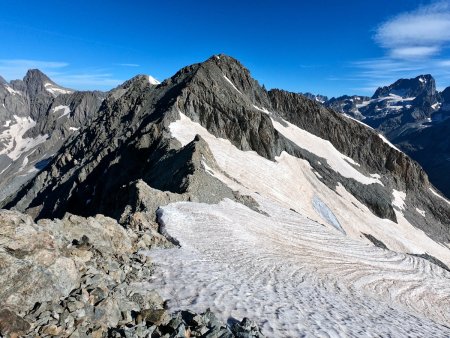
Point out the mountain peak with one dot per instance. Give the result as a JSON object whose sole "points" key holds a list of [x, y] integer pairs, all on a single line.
{"points": [[418, 86], [36, 75], [37, 82], [425, 78], [227, 63]]}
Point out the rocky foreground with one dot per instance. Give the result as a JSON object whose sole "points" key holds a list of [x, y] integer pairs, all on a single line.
{"points": [[83, 277]]}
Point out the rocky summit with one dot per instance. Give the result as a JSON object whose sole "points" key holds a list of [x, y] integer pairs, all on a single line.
{"points": [[207, 206]]}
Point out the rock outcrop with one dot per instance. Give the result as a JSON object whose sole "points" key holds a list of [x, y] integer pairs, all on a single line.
{"points": [[87, 277]]}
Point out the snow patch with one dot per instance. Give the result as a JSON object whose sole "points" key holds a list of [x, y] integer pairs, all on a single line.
{"points": [[65, 109], [264, 110], [153, 81], [441, 197], [12, 91], [322, 148], [73, 128], [385, 140], [232, 84], [32, 170], [1, 172], [422, 212], [436, 106], [360, 122], [55, 90], [15, 143], [26, 160], [399, 199]]}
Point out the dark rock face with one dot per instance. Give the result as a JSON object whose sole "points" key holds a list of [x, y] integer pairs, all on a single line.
{"points": [[12, 324], [421, 86], [376, 242], [348, 104], [316, 97], [430, 146]]}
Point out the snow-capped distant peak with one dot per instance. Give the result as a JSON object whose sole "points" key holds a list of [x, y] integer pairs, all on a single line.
{"points": [[153, 81]]}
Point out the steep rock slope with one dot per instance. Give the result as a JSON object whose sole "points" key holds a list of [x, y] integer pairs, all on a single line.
{"points": [[36, 117], [210, 151]]}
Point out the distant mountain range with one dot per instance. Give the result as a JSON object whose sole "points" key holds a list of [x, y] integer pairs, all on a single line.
{"points": [[413, 115]]}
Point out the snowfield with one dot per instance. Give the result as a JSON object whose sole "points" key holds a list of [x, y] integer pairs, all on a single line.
{"points": [[303, 266], [292, 184], [295, 276], [322, 148]]}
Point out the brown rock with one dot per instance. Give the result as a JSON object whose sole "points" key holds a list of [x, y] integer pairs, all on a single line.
{"points": [[12, 324], [52, 330], [153, 316]]}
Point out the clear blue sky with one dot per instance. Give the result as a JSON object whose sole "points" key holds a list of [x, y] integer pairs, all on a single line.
{"points": [[329, 47]]}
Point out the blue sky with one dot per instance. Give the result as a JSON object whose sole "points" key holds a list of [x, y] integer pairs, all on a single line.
{"points": [[328, 47]]}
